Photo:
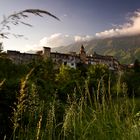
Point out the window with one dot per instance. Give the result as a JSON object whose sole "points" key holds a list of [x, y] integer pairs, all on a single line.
{"points": [[65, 63]]}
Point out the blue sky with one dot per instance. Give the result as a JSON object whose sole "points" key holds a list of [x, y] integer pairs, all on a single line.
{"points": [[80, 20]]}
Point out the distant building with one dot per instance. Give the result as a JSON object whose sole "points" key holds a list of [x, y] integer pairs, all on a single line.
{"points": [[110, 61], [18, 57], [71, 59]]}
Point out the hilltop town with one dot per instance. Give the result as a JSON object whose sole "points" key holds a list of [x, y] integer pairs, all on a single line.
{"points": [[71, 59]]}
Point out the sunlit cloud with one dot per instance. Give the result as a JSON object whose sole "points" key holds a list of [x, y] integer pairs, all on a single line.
{"points": [[59, 39], [132, 27], [83, 38], [56, 40], [65, 15], [35, 47]]}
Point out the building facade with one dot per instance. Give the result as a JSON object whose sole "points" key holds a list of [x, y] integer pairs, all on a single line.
{"points": [[71, 59]]}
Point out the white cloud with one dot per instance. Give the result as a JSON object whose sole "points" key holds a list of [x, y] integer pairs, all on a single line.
{"points": [[56, 40], [65, 15], [82, 38], [132, 27], [31, 48], [59, 39]]}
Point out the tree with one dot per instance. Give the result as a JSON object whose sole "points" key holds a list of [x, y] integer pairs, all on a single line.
{"points": [[97, 77], [67, 81], [1, 47], [137, 66]]}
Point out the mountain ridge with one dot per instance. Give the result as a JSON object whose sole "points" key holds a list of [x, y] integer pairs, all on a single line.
{"points": [[125, 48]]}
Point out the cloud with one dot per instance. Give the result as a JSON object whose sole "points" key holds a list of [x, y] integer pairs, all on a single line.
{"points": [[31, 48], [65, 15], [83, 38], [56, 40], [132, 27], [59, 39]]}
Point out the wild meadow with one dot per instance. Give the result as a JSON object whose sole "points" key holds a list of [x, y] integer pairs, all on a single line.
{"points": [[40, 102]]}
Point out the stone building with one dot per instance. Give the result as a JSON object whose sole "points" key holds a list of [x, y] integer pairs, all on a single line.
{"points": [[71, 59], [19, 58], [110, 61]]}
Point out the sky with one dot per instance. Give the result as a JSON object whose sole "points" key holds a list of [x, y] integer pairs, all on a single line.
{"points": [[80, 20]]}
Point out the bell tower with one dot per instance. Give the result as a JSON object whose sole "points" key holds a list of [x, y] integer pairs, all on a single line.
{"points": [[46, 52], [83, 54]]}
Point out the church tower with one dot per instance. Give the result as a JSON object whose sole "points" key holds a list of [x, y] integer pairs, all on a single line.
{"points": [[46, 52], [83, 54]]}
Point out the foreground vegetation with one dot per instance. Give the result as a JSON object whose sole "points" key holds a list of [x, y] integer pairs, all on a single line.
{"points": [[38, 102]]}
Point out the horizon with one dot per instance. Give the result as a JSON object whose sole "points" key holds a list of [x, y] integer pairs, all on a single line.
{"points": [[80, 21]]}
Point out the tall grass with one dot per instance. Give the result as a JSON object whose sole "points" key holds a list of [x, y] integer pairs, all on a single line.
{"points": [[98, 117], [2, 82]]}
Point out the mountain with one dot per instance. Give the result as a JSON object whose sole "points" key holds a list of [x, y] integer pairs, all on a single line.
{"points": [[126, 48]]}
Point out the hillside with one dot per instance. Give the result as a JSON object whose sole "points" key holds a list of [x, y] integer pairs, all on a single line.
{"points": [[125, 49]]}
